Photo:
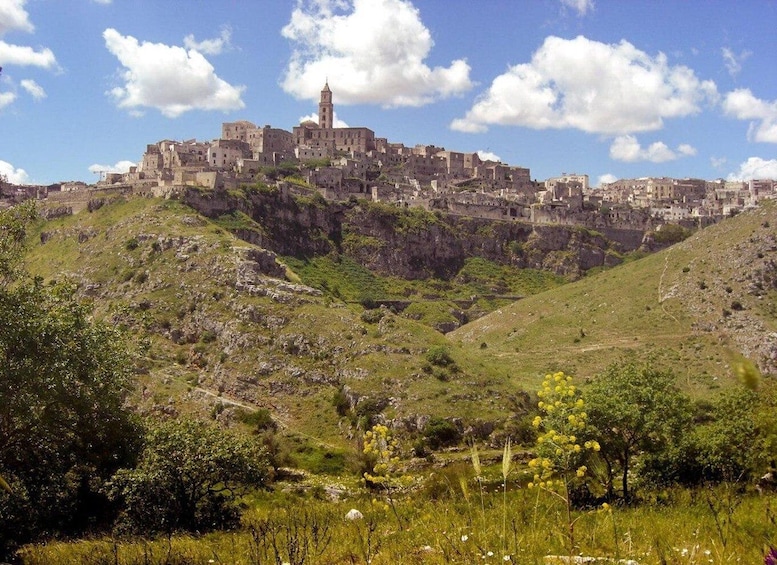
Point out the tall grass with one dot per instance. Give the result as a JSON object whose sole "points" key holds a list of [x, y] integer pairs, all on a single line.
{"points": [[677, 527]]}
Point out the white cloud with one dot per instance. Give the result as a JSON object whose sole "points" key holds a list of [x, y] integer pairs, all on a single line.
{"points": [[733, 61], [756, 168], [210, 46], [168, 78], [627, 148], [741, 104], [717, 162], [13, 16], [33, 89], [27, 56], [488, 156], [591, 86], [15, 176], [370, 51], [686, 150], [606, 178], [105, 2], [120, 167], [336, 121], [580, 6], [6, 99]]}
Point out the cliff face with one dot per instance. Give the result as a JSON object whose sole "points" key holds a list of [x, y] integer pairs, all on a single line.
{"points": [[412, 243]]}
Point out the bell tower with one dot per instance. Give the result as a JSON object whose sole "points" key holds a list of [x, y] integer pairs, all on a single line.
{"points": [[325, 108]]}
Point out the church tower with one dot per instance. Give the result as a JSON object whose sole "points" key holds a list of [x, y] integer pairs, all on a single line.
{"points": [[325, 108]]}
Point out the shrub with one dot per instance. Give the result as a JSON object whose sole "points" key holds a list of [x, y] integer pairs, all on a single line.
{"points": [[340, 402], [260, 420], [189, 478], [439, 356], [372, 316], [441, 433]]}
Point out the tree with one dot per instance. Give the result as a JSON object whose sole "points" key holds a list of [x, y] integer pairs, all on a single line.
{"points": [[189, 477], [635, 409], [64, 427]]}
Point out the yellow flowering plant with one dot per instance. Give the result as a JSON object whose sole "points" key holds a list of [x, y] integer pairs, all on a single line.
{"points": [[560, 451], [381, 450]]}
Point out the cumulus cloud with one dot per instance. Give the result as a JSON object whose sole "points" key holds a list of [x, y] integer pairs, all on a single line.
{"points": [[591, 86], [488, 156], [371, 51], [210, 46], [606, 178], [25, 56], [336, 121], [13, 16], [717, 162], [756, 168], [627, 148], [168, 78], [733, 62], [13, 175], [580, 6], [743, 105], [6, 99], [33, 89], [120, 167]]}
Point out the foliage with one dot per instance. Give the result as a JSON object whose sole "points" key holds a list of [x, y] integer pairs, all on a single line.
{"points": [[13, 230], [670, 234], [64, 427], [441, 433], [259, 420], [189, 477], [439, 355], [735, 443], [560, 449], [381, 451], [678, 529], [635, 409]]}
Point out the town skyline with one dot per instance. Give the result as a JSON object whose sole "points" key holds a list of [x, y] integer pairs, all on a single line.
{"points": [[607, 89]]}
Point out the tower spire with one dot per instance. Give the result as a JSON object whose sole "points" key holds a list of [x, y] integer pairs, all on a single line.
{"points": [[326, 108]]}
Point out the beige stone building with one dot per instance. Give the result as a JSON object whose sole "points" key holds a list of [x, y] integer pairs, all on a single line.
{"points": [[325, 136]]}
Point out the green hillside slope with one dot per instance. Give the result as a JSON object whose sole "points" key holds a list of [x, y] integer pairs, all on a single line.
{"points": [[221, 327], [696, 307]]}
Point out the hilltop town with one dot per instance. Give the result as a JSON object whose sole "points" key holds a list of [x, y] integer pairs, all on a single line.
{"points": [[347, 162]]}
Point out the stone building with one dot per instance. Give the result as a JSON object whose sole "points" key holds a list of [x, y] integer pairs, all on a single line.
{"points": [[325, 136]]}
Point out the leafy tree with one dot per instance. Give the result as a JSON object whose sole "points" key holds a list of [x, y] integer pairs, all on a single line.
{"points": [[64, 427], [13, 230], [189, 477], [635, 409], [725, 448]]}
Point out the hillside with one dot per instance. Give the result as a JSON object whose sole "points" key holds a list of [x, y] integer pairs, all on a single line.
{"points": [[223, 326], [696, 307], [220, 323]]}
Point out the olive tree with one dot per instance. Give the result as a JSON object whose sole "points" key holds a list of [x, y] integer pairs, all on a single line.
{"points": [[189, 477], [635, 409], [64, 378]]}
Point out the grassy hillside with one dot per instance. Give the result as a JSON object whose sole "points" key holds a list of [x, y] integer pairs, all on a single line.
{"points": [[696, 307], [219, 333]]}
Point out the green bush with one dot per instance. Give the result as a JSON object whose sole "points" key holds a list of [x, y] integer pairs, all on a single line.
{"points": [[439, 356], [439, 432], [189, 478]]}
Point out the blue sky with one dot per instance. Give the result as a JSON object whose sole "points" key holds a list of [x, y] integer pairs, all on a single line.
{"points": [[610, 88]]}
